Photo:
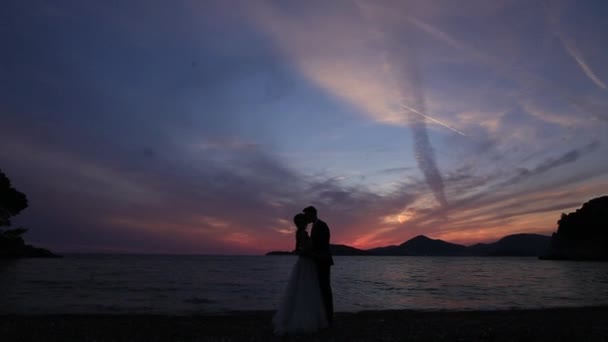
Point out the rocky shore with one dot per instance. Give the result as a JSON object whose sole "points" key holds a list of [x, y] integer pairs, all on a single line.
{"points": [[560, 324]]}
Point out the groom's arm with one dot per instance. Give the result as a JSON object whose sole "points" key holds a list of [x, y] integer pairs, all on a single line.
{"points": [[324, 246]]}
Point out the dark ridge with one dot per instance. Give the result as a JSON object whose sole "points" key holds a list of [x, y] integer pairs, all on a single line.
{"points": [[511, 245]]}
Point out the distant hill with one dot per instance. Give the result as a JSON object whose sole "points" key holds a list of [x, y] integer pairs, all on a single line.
{"points": [[346, 250], [511, 245], [422, 245], [280, 253], [387, 250], [335, 250], [583, 234]]}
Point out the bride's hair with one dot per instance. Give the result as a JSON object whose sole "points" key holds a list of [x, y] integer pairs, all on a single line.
{"points": [[299, 219]]}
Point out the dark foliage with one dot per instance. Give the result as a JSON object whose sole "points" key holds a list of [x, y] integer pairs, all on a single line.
{"points": [[589, 221], [12, 202], [12, 245]]}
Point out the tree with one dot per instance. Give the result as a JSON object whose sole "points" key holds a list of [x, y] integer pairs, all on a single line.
{"points": [[12, 201], [12, 245]]}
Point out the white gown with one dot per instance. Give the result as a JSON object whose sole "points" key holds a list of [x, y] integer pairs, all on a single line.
{"points": [[301, 309]]}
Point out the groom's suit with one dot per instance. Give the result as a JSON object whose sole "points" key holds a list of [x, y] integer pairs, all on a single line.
{"points": [[319, 234]]}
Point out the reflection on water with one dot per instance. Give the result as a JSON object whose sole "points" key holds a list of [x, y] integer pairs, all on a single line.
{"points": [[191, 284]]}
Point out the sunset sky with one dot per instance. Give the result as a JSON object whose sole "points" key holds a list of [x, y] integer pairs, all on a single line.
{"points": [[204, 126]]}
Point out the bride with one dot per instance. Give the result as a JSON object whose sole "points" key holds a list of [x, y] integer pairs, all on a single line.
{"points": [[301, 309]]}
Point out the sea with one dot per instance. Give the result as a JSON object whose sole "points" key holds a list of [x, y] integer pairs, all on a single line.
{"points": [[184, 285]]}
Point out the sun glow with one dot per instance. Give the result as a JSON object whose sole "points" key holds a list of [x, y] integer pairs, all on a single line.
{"points": [[404, 217], [398, 218]]}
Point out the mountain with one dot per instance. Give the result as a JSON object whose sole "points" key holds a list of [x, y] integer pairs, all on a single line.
{"points": [[511, 245], [583, 234], [387, 250], [422, 245]]}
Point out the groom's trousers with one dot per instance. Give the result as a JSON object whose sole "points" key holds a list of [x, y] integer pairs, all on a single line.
{"points": [[324, 282]]}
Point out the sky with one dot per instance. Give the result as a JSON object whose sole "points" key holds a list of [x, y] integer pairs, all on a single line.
{"points": [[203, 127]]}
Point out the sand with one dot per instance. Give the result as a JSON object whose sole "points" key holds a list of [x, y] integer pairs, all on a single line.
{"points": [[561, 324]]}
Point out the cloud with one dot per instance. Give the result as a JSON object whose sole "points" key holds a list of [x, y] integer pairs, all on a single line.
{"points": [[351, 54], [566, 158], [395, 170], [340, 53], [485, 207], [192, 136], [527, 79], [488, 120], [564, 117], [242, 201], [530, 210]]}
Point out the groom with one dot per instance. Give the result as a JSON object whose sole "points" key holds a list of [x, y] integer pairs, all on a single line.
{"points": [[319, 234]]}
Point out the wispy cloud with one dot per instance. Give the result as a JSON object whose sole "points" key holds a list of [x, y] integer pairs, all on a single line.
{"points": [[528, 79], [566, 158]]}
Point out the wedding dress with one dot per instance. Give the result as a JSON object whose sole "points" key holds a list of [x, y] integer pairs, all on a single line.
{"points": [[301, 309]]}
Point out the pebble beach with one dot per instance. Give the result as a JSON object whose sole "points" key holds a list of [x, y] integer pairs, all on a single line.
{"points": [[555, 324]]}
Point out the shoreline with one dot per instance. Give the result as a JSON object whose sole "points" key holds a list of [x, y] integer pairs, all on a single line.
{"points": [[553, 324]]}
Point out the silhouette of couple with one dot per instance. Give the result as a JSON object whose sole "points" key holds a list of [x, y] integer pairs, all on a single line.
{"points": [[307, 304]]}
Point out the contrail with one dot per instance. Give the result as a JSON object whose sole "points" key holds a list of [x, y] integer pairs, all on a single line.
{"points": [[411, 81], [404, 72], [425, 157], [553, 16], [432, 119], [581, 63]]}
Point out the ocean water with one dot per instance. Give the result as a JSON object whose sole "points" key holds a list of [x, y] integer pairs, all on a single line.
{"points": [[221, 284]]}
